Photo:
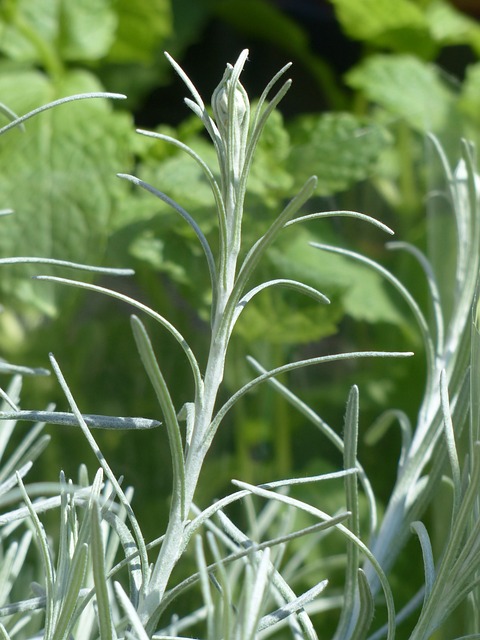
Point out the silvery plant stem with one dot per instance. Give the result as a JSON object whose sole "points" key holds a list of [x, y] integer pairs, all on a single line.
{"points": [[228, 131], [174, 541], [235, 135]]}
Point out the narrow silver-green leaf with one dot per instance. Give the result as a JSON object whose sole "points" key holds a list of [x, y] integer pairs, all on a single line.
{"points": [[427, 553], [71, 265], [105, 623], [161, 390], [6, 567], [56, 103], [219, 203], [106, 468], [9, 369], [349, 613], [406, 295], [64, 624], [92, 420], [450, 443], [435, 297], [341, 213], [205, 584], [292, 607], [187, 217], [366, 608], [259, 591], [47, 563], [130, 612]]}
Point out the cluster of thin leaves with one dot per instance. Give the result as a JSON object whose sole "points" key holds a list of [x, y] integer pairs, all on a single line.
{"points": [[247, 588]]}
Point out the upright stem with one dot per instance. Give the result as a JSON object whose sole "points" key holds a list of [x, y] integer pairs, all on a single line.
{"points": [[231, 110], [175, 540]]}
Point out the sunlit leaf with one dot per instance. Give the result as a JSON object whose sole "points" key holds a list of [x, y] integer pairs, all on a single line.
{"points": [[337, 147], [470, 95], [400, 26], [362, 292], [59, 177], [80, 30], [134, 41], [406, 87], [449, 26]]}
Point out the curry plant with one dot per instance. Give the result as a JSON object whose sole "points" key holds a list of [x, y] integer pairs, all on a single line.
{"points": [[234, 130], [248, 590]]}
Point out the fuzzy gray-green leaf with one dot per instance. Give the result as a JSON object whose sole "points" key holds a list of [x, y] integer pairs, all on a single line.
{"points": [[70, 595], [160, 387], [99, 576]]}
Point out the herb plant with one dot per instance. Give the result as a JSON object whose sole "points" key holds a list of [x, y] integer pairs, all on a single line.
{"points": [[249, 587]]}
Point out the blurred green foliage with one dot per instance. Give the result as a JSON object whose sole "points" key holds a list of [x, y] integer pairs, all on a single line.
{"points": [[358, 121]]}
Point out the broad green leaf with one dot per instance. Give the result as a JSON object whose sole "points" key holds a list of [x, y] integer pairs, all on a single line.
{"points": [[362, 292], [288, 322], [470, 96], [21, 18], [80, 30], [406, 87], [270, 181], [337, 147], [181, 179], [399, 25], [86, 28], [59, 177], [143, 27], [449, 26]]}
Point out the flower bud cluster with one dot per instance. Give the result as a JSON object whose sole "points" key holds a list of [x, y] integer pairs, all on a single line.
{"points": [[231, 110]]}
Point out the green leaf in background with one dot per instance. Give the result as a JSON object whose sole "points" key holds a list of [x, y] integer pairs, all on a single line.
{"points": [[180, 177], [86, 28], [270, 181], [406, 87], [363, 292], [400, 25], [288, 323], [18, 19], [143, 26], [469, 100], [59, 177], [337, 147], [80, 30], [449, 26]]}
